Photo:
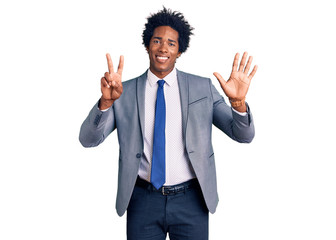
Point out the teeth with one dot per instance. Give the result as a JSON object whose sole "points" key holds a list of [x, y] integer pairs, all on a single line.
{"points": [[162, 58]]}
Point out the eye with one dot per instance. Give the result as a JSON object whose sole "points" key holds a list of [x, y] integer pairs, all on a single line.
{"points": [[156, 41], [172, 44]]}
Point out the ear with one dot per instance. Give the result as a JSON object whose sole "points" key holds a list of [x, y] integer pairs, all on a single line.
{"points": [[179, 54], [147, 49]]}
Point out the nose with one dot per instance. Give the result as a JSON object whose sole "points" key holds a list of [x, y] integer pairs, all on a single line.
{"points": [[163, 47]]}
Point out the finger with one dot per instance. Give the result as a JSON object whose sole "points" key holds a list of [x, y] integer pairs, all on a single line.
{"points": [[247, 68], [118, 88], [108, 77], [116, 84], [109, 63], [235, 62], [254, 70], [220, 79], [242, 62], [104, 82], [110, 81], [121, 64]]}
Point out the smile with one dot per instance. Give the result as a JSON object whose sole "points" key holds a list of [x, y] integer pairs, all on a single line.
{"points": [[161, 58]]}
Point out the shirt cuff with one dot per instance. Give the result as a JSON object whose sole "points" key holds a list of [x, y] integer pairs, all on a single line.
{"points": [[243, 114], [104, 110]]}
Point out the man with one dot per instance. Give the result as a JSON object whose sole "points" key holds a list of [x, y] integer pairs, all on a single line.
{"points": [[167, 177]]}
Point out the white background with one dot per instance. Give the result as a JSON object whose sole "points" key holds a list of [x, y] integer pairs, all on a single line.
{"points": [[52, 56]]}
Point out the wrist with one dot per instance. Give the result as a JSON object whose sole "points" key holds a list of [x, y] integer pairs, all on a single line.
{"points": [[105, 103], [238, 104]]}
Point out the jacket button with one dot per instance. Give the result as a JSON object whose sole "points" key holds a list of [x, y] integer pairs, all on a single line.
{"points": [[138, 155]]}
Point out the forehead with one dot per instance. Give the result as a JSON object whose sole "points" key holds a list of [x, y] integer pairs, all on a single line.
{"points": [[166, 32]]}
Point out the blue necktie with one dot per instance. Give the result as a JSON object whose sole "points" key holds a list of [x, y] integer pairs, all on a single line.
{"points": [[158, 175]]}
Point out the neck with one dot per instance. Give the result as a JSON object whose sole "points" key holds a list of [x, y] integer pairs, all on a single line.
{"points": [[159, 74]]}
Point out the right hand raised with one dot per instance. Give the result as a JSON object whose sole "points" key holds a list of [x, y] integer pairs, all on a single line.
{"points": [[111, 86]]}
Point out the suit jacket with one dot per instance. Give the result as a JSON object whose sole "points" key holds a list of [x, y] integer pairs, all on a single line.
{"points": [[201, 106]]}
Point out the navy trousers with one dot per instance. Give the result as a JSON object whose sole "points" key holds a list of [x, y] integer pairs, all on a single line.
{"points": [[182, 214]]}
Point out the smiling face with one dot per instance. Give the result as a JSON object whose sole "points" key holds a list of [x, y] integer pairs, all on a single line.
{"points": [[163, 51]]}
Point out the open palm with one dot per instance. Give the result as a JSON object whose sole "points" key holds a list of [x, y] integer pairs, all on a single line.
{"points": [[238, 84]]}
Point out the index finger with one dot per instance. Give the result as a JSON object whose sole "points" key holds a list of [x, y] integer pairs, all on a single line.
{"points": [[109, 63], [254, 70]]}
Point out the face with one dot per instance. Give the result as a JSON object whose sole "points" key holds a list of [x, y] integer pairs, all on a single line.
{"points": [[163, 51]]}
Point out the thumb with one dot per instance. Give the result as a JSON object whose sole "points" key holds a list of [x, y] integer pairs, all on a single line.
{"points": [[220, 79]]}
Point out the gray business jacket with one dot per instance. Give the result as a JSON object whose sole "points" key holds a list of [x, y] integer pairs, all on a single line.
{"points": [[201, 106]]}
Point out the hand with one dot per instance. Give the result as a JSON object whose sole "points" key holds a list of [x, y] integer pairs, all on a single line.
{"points": [[111, 85], [238, 84]]}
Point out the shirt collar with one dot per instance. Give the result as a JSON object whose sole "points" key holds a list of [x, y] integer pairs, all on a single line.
{"points": [[170, 79]]}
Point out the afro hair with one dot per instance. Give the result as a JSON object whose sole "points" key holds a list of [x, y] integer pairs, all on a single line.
{"points": [[175, 20]]}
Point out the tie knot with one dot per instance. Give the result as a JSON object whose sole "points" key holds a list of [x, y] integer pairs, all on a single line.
{"points": [[161, 82]]}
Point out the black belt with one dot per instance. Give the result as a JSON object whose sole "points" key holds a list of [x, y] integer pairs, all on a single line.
{"points": [[168, 190]]}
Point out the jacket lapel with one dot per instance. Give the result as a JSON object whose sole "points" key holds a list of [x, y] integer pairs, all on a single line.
{"points": [[184, 96], [141, 89]]}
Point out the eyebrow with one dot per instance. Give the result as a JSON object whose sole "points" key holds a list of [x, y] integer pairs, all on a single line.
{"points": [[160, 38]]}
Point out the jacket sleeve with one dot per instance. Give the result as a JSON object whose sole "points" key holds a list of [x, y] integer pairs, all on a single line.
{"points": [[239, 128], [97, 126]]}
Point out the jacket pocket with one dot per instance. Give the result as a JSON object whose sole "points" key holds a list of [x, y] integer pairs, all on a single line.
{"points": [[211, 159], [198, 100]]}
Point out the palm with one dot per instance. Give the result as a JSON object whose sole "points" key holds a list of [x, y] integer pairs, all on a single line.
{"points": [[238, 84]]}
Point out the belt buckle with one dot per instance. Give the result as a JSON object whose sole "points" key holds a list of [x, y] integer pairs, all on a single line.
{"points": [[163, 191]]}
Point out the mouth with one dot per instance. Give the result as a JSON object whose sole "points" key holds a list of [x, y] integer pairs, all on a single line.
{"points": [[161, 59]]}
